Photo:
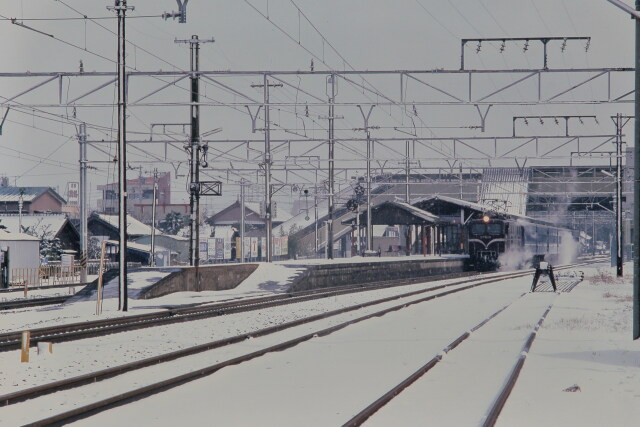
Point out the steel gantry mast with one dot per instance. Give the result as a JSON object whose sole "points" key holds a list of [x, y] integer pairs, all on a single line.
{"points": [[195, 149], [121, 9]]}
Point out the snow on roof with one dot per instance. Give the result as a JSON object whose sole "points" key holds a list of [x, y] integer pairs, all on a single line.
{"points": [[5, 236], [139, 246], [223, 231], [134, 227], [42, 225], [12, 194], [471, 205], [280, 216]]}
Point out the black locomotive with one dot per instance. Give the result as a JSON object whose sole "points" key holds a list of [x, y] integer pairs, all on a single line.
{"points": [[517, 242]]}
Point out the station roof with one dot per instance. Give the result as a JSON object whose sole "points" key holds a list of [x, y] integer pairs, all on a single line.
{"points": [[445, 205], [395, 213]]}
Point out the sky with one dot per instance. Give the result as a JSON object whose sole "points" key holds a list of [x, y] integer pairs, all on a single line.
{"points": [[286, 35]]}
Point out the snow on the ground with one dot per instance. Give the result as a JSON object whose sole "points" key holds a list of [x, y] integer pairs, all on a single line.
{"points": [[70, 357], [360, 259], [321, 382], [585, 341], [265, 280]]}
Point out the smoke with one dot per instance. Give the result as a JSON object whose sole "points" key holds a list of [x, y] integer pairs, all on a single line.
{"points": [[514, 260], [569, 247]]}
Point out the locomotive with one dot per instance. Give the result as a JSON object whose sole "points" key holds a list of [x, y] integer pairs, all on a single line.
{"points": [[517, 242]]}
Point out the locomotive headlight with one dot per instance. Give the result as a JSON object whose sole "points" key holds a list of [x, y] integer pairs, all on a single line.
{"points": [[485, 218]]}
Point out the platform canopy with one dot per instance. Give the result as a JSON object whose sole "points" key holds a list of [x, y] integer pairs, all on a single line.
{"points": [[395, 213]]}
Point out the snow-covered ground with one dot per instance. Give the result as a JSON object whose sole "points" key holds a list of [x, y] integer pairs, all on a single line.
{"points": [[585, 341]]}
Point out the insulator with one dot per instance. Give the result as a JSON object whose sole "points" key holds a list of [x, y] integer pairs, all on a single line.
{"points": [[502, 46], [526, 46], [479, 47]]}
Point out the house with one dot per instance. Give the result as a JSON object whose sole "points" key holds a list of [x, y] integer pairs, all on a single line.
{"points": [[252, 216], [34, 199], [107, 226], [44, 226], [17, 251]]}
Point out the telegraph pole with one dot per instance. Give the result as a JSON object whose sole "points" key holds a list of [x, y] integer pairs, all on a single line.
{"points": [[82, 140], [194, 150], [153, 218], [366, 129], [407, 172], [121, 9], [267, 165], [332, 98], [241, 249], [619, 245]]}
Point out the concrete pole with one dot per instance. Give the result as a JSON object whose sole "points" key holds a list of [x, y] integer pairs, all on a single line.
{"points": [[636, 190], [82, 140], [332, 96], [407, 172], [267, 170], [619, 195], [153, 218], [369, 225], [242, 254]]}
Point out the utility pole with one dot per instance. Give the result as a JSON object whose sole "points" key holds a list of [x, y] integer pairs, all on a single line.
{"points": [[267, 165], [407, 173], [618, 177], [82, 140], [636, 163], [366, 129], [121, 9], [194, 149], [331, 80], [241, 249], [20, 205], [153, 218]]}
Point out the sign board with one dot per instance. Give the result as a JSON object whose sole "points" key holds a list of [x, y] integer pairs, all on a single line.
{"points": [[284, 242], [204, 245], [227, 249], [211, 248], [73, 193], [263, 245], [246, 247], [276, 246], [219, 248], [254, 247]]}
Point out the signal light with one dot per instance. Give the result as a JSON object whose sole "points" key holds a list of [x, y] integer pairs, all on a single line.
{"points": [[486, 218]]}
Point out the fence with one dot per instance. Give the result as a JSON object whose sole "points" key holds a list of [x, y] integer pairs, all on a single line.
{"points": [[58, 274], [46, 275]]}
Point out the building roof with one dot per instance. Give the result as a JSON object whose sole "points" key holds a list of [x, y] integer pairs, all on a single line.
{"points": [[12, 237], [134, 227], [44, 225], [228, 215], [12, 194], [392, 213], [451, 200]]}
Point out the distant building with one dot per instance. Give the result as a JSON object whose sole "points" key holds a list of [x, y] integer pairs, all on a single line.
{"points": [[140, 198], [34, 200], [44, 227], [252, 216]]}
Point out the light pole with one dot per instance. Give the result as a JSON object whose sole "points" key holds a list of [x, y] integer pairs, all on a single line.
{"points": [[635, 13]]}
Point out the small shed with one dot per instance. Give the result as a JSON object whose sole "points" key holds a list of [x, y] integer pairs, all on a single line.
{"points": [[18, 252]]}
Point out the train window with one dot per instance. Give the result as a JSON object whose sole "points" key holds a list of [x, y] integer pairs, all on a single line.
{"points": [[494, 229], [478, 228]]}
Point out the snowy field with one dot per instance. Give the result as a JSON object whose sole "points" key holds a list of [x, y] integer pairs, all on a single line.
{"points": [[585, 341]]}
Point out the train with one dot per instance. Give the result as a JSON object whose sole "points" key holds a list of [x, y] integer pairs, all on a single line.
{"points": [[517, 242]]}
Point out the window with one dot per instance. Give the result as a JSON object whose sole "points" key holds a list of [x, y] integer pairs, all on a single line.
{"points": [[478, 228], [494, 229]]}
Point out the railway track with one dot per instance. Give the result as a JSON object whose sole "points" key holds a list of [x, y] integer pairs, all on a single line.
{"points": [[32, 302], [123, 398], [492, 413], [74, 331]]}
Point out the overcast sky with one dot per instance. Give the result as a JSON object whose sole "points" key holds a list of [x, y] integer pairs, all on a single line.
{"points": [[367, 34]]}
